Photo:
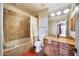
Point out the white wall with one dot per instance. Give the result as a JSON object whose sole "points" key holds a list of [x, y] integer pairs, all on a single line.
{"points": [[72, 33], [77, 31], [43, 24], [1, 30], [52, 27]]}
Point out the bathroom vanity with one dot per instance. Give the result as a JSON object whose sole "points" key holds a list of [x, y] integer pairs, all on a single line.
{"points": [[54, 46]]}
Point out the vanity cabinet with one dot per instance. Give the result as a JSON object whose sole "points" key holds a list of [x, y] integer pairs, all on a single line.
{"points": [[66, 49], [51, 48], [56, 48], [47, 49], [54, 51]]}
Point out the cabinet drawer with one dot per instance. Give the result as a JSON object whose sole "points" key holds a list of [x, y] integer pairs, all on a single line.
{"points": [[63, 45], [63, 52], [66, 46], [71, 53]]}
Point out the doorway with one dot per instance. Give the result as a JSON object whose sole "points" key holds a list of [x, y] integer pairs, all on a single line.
{"points": [[61, 28]]}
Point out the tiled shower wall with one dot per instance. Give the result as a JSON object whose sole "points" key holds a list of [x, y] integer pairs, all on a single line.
{"points": [[16, 26], [16, 33]]}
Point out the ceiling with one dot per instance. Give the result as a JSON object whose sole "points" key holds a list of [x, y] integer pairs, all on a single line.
{"points": [[36, 7], [29, 7], [33, 8]]}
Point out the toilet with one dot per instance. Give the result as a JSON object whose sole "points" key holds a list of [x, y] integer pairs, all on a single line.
{"points": [[38, 45]]}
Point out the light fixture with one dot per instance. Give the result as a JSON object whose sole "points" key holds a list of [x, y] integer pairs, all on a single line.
{"points": [[76, 9], [66, 11], [58, 13], [52, 14]]}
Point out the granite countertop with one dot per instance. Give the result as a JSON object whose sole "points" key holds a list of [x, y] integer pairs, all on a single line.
{"points": [[61, 39]]}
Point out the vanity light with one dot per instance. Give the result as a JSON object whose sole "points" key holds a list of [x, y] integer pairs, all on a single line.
{"points": [[52, 14], [66, 11], [76, 9], [58, 13]]}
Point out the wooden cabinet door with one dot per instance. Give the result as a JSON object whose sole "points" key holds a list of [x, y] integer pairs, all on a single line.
{"points": [[54, 48], [63, 52], [66, 50], [58, 49], [54, 51], [47, 49]]}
